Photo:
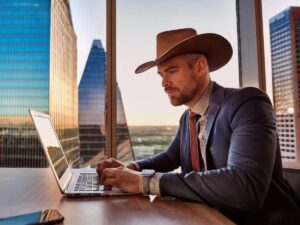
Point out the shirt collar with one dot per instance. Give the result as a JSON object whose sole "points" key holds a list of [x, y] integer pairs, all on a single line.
{"points": [[201, 106]]}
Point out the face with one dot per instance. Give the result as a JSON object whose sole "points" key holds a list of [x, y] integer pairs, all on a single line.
{"points": [[183, 84]]}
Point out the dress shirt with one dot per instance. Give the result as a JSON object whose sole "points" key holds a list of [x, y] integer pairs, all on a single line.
{"points": [[201, 109]]}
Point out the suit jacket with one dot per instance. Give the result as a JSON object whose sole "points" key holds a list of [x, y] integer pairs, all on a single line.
{"points": [[244, 177]]}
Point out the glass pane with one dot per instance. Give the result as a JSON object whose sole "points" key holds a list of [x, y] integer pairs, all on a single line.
{"points": [[124, 146], [89, 18], [37, 70], [282, 56], [152, 121]]}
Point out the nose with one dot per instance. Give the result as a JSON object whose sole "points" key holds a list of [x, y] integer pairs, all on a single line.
{"points": [[165, 82]]}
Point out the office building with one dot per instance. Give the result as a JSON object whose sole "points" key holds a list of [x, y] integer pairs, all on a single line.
{"points": [[38, 58], [92, 90], [285, 51]]}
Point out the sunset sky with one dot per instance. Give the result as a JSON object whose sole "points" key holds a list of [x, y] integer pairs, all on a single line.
{"points": [[138, 22]]}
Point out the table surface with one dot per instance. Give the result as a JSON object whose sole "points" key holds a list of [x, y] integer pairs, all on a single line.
{"points": [[27, 190]]}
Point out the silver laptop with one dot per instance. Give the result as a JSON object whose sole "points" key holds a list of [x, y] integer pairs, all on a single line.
{"points": [[76, 182]]}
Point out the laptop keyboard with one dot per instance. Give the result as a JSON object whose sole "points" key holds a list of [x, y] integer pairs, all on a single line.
{"points": [[88, 182]]}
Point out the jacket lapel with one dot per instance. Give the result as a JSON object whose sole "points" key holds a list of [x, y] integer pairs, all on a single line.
{"points": [[216, 99]]}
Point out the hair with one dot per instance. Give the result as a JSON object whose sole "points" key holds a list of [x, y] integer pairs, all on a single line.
{"points": [[191, 59]]}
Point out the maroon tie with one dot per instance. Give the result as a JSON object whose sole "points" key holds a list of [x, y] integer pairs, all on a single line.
{"points": [[194, 143]]}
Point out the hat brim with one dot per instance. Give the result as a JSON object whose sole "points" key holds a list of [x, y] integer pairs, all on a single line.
{"points": [[215, 47]]}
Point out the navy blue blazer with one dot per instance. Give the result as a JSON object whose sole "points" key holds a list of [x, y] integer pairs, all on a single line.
{"points": [[244, 177]]}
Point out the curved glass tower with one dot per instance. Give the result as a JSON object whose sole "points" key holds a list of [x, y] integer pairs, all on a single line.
{"points": [[92, 90], [37, 70]]}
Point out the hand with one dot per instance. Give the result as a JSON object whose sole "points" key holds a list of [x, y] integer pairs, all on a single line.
{"points": [[123, 178], [108, 163]]}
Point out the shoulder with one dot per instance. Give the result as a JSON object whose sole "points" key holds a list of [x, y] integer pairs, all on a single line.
{"points": [[184, 115], [236, 97], [248, 101], [242, 94], [221, 95]]}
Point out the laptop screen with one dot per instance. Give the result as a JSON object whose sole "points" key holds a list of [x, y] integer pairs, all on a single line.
{"points": [[51, 143]]}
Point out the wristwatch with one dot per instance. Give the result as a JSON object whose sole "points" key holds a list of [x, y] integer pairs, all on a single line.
{"points": [[146, 176]]}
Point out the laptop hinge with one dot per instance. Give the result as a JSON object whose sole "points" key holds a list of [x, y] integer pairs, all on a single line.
{"points": [[67, 182]]}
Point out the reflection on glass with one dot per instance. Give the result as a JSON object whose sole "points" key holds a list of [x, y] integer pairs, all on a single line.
{"points": [[51, 143], [37, 70], [58, 160]]}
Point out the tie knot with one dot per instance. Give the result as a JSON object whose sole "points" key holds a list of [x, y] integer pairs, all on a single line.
{"points": [[194, 115]]}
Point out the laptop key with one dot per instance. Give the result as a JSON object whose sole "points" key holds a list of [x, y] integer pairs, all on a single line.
{"points": [[87, 182]]}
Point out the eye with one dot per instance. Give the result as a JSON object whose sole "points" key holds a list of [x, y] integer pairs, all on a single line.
{"points": [[171, 71]]}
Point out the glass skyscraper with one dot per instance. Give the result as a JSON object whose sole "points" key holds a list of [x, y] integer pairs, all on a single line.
{"points": [[37, 70], [92, 90], [285, 51]]}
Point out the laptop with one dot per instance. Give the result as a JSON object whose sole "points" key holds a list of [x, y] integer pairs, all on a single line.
{"points": [[72, 182]]}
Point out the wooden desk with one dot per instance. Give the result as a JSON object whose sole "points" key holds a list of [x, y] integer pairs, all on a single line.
{"points": [[27, 190]]}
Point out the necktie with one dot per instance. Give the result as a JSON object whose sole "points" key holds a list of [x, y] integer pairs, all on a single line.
{"points": [[194, 143]]}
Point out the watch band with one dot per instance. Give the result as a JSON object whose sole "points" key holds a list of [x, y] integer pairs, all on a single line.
{"points": [[146, 176]]}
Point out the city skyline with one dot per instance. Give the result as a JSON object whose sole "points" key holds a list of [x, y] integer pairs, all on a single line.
{"points": [[136, 28]]}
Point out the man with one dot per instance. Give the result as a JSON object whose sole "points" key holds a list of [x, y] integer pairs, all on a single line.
{"points": [[226, 144]]}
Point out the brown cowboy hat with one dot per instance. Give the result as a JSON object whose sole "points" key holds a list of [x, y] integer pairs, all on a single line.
{"points": [[216, 48]]}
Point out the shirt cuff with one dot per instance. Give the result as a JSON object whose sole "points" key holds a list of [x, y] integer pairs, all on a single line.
{"points": [[154, 184]]}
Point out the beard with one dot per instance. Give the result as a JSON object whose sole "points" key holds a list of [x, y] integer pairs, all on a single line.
{"points": [[188, 91], [181, 97]]}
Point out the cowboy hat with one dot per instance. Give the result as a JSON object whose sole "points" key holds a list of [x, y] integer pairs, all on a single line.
{"points": [[216, 48]]}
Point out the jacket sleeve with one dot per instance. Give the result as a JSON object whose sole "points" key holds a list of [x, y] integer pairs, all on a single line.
{"points": [[244, 182], [166, 161]]}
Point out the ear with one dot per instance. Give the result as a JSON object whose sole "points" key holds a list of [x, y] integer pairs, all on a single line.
{"points": [[200, 66]]}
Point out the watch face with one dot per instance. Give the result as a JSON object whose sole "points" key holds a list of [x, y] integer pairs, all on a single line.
{"points": [[148, 172]]}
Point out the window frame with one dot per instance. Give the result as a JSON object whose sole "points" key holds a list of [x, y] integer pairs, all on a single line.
{"points": [[251, 58]]}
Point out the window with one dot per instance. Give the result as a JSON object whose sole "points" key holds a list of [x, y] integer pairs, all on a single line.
{"points": [[280, 20], [151, 119], [89, 19]]}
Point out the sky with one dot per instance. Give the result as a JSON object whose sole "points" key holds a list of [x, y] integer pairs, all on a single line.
{"points": [[138, 22]]}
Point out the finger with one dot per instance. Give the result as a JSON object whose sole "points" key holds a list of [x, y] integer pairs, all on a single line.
{"points": [[103, 165], [98, 166], [107, 173], [109, 162], [112, 182], [101, 168], [115, 163]]}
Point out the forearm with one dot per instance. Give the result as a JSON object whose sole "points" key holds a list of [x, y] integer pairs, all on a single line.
{"points": [[227, 188], [162, 162]]}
